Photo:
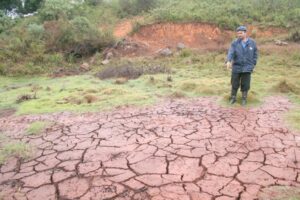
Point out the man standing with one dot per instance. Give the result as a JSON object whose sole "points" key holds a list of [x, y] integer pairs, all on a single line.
{"points": [[242, 58]]}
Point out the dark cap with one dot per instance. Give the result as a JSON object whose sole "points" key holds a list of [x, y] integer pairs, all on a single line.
{"points": [[241, 28]]}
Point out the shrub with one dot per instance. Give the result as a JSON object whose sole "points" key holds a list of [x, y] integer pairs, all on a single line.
{"points": [[5, 22], [37, 127], [76, 38], [134, 7], [56, 9], [229, 13], [94, 2], [27, 6], [17, 149], [295, 35], [36, 31]]}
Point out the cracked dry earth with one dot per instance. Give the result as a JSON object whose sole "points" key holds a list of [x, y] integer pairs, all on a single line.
{"points": [[182, 149]]}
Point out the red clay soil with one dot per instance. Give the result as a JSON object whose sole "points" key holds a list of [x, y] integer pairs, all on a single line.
{"points": [[194, 35], [179, 149], [125, 27]]}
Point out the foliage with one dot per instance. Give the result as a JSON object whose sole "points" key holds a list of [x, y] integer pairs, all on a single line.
{"points": [[295, 35], [56, 9], [135, 7], [37, 127], [94, 2], [36, 31], [28, 7], [194, 75], [18, 149], [230, 13], [5, 22], [62, 31]]}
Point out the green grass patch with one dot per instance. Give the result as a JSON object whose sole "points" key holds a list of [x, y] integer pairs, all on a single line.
{"points": [[17, 149], [192, 75], [280, 193], [217, 12], [293, 118], [76, 93], [36, 128]]}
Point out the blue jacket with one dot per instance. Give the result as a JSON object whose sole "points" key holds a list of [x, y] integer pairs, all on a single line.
{"points": [[243, 58]]}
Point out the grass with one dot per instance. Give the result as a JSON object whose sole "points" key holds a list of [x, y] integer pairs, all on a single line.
{"points": [[17, 149], [280, 193], [68, 94], [36, 128], [245, 12], [293, 118], [194, 75]]}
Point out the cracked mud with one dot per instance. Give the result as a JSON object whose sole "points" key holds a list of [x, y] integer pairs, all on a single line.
{"points": [[183, 149]]}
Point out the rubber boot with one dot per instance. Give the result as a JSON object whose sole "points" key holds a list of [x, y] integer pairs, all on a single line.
{"points": [[233, 97], [244, 98]]}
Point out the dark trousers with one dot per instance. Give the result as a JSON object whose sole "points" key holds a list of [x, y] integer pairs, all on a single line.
{"points": [[240, 79]]}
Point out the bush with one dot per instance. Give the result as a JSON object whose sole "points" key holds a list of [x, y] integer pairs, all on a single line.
{"points": [[83, 28], [230, 13], [56, 9], [76, 37], [134, 7], [23, 7], [36, 31], [5, 22], [295, 35], [94, 2]]}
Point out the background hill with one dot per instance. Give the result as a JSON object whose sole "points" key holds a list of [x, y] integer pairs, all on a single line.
{"points": [[63, 32]]}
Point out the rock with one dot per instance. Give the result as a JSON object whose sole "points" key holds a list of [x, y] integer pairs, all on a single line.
{"points": [[92, 60], [105, 62], [109, 55], [165, 52], [85, 66], [121, 80], [180, 46], [280, 43]]}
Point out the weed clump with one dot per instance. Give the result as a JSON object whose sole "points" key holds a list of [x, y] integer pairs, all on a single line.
{"points": [[25, 97], [89, 98], [37, 127], [295, 36], [16, 149], [286, 87], [177, 95]]}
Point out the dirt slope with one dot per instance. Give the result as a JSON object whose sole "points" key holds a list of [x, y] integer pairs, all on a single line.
{"points": [[151, 38]]}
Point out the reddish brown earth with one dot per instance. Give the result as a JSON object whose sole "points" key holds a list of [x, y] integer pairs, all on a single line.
{"points": [[178, 149], [199, 36], [125, 27]]}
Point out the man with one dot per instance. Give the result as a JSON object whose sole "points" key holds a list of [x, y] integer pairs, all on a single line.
{"points": [[242, 58]]}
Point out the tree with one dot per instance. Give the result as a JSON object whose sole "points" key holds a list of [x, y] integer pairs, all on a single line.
{"points": [[10, 4], [31, 6], [21, 6], [5, 22]]}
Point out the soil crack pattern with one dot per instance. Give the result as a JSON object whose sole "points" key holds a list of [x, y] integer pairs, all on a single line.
{"points": [[179, 149]]}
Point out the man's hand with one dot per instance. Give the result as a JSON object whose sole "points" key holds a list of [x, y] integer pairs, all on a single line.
{"points": [[228, 65]]}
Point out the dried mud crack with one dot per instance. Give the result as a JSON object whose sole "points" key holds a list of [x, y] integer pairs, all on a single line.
{"points": [[183, 149]]}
